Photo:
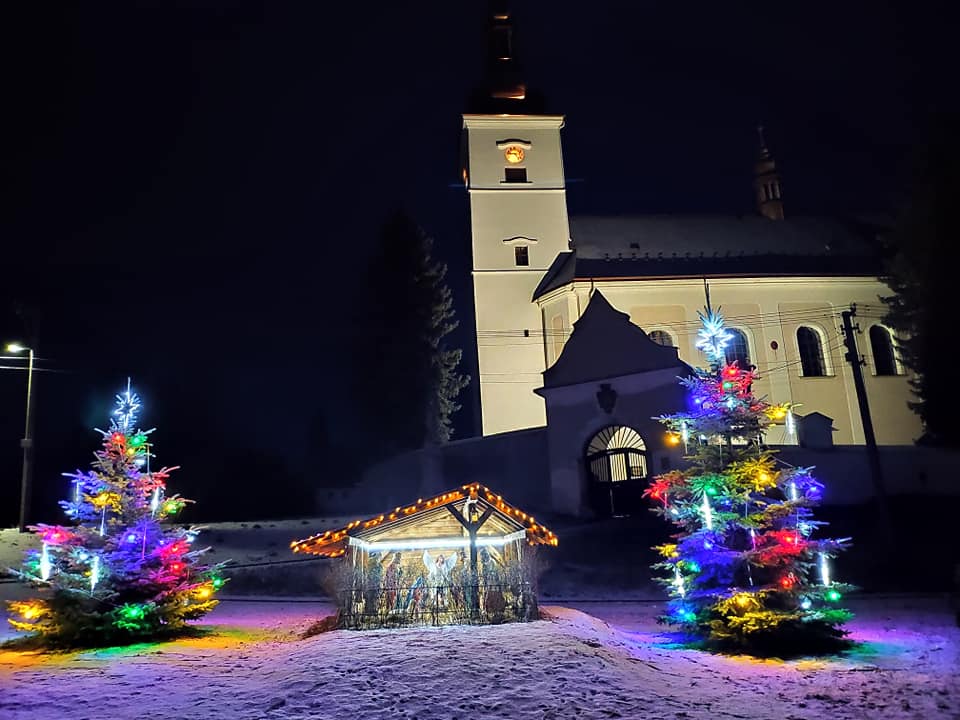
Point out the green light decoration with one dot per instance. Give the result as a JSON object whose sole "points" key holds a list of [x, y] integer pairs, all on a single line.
{"points": [[833, 596], [172, 506], [131, 616], [217, 583]]}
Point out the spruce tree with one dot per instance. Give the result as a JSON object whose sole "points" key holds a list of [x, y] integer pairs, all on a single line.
{"points": [[122, 572], [744, 571], [406, 373]]}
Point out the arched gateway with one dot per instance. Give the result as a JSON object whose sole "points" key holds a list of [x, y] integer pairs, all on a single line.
{"points": [[617, 464]]}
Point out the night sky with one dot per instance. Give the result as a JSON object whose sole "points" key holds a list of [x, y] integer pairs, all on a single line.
{"points": [[194, 187]]}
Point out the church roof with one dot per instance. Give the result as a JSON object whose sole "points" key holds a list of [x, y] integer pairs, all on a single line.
{"points": [[661, 246], [605, 344]]}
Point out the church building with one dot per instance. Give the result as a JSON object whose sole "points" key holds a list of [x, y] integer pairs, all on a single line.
{"points": [[585, 324], [781, 282]]}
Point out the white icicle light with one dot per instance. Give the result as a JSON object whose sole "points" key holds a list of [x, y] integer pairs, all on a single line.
{"points": [[45, 566], [793, 491], [155, 500], [707, 512], [824, 570], [678, 581], [94, 572], [791, 424]]}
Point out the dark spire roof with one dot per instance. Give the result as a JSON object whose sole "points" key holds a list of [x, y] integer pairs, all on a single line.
{"points": [[626, 348], [503, 90]]}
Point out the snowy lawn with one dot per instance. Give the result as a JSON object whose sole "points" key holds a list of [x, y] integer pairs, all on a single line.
{"points": [[254, 665]]}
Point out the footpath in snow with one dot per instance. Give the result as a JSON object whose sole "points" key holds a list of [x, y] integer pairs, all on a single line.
{"points": [[613, 662]]}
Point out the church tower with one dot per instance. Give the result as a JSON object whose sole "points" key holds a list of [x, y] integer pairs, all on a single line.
{"points": [[766, 183], [513, 172]]}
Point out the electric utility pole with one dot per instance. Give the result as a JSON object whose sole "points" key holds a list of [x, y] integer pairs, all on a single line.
{"points": [[873, 455]]}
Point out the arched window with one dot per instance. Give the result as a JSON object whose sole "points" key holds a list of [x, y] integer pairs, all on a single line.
{"points": [[617, 453], [738, 349], [884, 357], [661, 337], [810, 345]]}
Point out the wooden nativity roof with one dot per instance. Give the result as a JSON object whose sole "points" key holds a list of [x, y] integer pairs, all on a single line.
{"points": [[333, 543]]}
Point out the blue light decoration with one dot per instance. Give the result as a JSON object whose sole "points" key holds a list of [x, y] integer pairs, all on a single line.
{"points": [[128, 403], [713, 336]]}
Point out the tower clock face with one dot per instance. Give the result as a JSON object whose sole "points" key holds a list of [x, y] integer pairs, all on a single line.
{"points": [[513, 154]]}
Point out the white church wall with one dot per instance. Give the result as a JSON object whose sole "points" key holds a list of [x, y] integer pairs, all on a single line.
{"points": [[770, 310], [532, 215], [574, 416], [539, 136], [501, 215], [510, 360]]}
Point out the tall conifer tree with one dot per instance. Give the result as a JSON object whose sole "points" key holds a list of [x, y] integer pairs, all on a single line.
{"points": [[745, 570]]}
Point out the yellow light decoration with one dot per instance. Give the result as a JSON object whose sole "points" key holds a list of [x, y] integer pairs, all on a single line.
{"points": [[105, 499], [668, 550], [328, 543], [29, 609]]}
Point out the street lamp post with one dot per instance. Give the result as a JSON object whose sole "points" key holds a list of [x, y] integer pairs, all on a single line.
{"points": [[27, 442]]}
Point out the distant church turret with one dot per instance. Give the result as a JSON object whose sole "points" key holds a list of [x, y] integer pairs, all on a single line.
{"points": [[766, 183]]}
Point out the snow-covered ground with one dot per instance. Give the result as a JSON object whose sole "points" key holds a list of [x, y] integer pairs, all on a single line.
{"points": [[613, 662]]}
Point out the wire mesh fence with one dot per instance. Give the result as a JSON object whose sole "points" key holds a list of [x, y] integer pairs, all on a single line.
{"points": [[419, 604]]}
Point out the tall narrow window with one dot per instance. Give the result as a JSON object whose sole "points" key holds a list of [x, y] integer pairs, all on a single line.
{"points": [[737, 349], [811, 352], [661, 337], [521, 255], [884, 359], [515, 175]]}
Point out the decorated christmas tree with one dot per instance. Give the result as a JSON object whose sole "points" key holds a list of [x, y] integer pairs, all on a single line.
{"points": [[746, 571], [121, 572]]}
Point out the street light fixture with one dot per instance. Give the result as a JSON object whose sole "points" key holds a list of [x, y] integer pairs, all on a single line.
{"points": [[27, 442]]}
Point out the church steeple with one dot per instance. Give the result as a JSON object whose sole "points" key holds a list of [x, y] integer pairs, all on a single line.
{"points": [[504, 90], [766, 183]]}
